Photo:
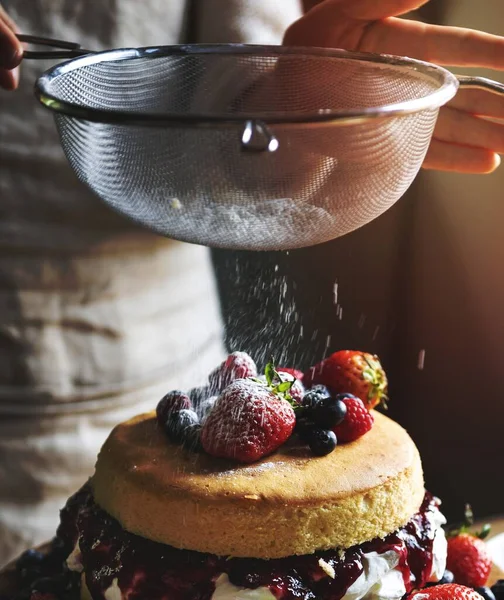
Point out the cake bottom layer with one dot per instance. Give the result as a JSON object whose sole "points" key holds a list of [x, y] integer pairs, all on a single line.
{"points": [[117, 564]]}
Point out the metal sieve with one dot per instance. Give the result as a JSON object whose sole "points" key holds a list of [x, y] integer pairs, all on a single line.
{"points": [[246, 147]]}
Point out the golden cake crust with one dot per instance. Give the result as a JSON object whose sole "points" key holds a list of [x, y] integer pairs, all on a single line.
{"points": [[288, 503]]}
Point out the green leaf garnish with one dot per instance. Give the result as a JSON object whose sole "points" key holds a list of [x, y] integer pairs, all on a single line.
{"points": [[277, 386], [270, 372], [283, 387], [465, 527], [484, 531]]}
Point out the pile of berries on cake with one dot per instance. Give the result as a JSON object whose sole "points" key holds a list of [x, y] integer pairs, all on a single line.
{"points": [[244, 415]]}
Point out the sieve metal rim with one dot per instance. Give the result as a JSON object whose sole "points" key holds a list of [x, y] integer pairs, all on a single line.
{"points": [[448, 87]]}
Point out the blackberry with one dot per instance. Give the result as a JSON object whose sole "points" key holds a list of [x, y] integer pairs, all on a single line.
{"points": [[321, 389], [172, 402], [312, 398]]}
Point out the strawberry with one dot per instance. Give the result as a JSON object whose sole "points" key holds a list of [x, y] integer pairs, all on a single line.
{"points": [[449, 591], [357, 373], [249, 421], [468, 558], [237, 365], [358, 420]]}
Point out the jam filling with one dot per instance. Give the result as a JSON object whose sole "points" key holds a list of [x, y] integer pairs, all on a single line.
{"points": [[146, 569]]}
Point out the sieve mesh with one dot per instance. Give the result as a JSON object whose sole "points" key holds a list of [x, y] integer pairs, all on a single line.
{"points": [[157, 134]]}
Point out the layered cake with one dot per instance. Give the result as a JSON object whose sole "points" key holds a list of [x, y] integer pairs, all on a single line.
{"points": [[261, 486]]}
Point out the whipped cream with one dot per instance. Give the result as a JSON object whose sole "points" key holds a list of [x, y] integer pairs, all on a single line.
{"points": [[440, 545], [113, 592], [74, 560], [380, 579], [225, 590]]}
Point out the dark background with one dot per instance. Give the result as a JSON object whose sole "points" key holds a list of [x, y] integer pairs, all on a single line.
{"points": [[283, 304]]}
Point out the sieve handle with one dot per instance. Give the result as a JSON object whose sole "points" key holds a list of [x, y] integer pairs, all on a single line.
{"points": [[258, 137], [64, 49], [481, 83]]}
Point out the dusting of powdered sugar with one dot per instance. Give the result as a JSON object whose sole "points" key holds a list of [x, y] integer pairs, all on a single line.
{"points": [[252, 470], [278, 224]]}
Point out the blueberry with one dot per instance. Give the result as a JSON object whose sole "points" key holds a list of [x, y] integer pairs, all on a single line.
{"points": [[304, 430], [200, 394], [498, 589], [448, 577], [172, 402], [343, 396], [29, 574], [192, 438], [312, 398], [205, 408], [329, 412], [47, 585], [486, 593], [57, 554], [178, 422], [322, 441], [59, 584], [30, 559]]}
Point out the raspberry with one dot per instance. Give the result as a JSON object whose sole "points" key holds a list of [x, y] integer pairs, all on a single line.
{"points": [[357, 422], [172, 402], [238, 365], [469, 560], [449, 591], [247, 422]]}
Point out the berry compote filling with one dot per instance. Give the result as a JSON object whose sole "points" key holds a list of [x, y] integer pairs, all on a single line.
{"points": [[112, 557]]}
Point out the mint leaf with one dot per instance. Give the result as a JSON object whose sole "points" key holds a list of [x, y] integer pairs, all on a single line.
{"points": [[270, 373], [283, 387]]}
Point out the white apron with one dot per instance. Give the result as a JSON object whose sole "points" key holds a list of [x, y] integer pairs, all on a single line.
{"points": [[97, 318]]}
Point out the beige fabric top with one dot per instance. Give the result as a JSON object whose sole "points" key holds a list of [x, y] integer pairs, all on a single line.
{"points": [[97, 317]]}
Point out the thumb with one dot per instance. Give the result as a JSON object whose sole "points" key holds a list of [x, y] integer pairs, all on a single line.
{"points": [[11, 49], [366, 10], [342, 23]]}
